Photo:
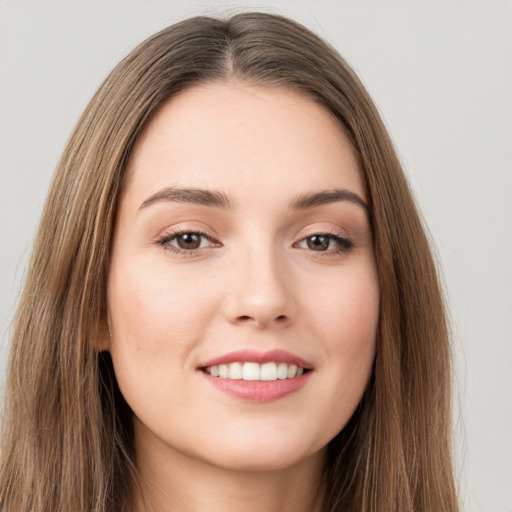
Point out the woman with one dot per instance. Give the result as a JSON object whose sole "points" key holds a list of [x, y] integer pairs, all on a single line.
{"points": [[231, 301]]}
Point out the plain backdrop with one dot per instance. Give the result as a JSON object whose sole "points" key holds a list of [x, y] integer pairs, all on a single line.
{"points": [[441, 75]]}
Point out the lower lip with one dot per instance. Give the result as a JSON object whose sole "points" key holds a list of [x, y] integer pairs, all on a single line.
{"points": [[259, 391]]}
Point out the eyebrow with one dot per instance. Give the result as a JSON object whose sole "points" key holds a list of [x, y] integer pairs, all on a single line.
{"points": [[218, 199], [190, 195], [312, 199]]}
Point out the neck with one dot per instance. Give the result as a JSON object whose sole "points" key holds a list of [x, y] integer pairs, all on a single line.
{"points": [[172, 481]]}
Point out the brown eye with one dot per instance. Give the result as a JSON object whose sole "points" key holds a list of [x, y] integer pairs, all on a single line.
{"points": [[188, 241], [318, 242], [328, 243]]}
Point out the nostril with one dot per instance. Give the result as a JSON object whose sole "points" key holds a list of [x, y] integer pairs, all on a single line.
{"points": [[261, 321]]}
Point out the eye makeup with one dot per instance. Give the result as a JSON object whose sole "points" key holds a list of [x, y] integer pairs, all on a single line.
{"points": [[186, 242], [194, 239]]}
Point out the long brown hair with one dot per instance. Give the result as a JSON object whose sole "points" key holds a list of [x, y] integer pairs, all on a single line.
{"points": [[67, 432]]}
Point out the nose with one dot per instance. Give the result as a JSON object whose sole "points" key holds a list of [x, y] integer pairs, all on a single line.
{"points": [[260, 292]]}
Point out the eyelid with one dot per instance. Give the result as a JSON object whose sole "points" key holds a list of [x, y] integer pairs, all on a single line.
{"points": [[345, 242], [327, 230], [164, 239], [186, 226]]}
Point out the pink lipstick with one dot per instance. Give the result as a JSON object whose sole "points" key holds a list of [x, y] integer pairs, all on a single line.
{"points": [[257, 376]]}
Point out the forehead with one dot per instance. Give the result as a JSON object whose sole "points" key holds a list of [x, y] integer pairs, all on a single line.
{"points": [[249, 141]]}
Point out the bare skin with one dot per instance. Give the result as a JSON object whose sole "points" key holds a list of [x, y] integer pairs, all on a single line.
{"points": [[266, 249], [169, 487]]}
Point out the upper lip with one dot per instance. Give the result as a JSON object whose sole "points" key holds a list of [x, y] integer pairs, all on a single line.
{"points": [[254, 356]]}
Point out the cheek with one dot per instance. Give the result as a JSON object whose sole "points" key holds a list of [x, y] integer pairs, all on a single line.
{"points": [[157, 312], [344, 318], [345, 311], [354, 347], [157, 321]]}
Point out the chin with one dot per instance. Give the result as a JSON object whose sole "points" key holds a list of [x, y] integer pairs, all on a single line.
{"points": [[255, 461], [254, 454]]}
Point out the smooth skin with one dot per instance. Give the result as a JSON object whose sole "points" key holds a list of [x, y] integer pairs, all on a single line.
{"points": [[258, 275]]}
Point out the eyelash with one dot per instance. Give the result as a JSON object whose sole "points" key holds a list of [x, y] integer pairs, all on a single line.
{"points": [[345, 244], [167, 238]]}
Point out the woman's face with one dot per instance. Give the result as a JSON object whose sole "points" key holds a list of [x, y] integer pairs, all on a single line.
{"points": [[242, 257]]}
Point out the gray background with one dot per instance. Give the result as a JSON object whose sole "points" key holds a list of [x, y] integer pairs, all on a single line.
{"points": [[441, 74]]}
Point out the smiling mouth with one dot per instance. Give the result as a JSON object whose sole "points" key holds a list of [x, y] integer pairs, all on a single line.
{"points": [[252, 371]]}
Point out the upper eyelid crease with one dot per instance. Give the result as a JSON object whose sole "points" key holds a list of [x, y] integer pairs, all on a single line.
{"points": [[220, 200]]}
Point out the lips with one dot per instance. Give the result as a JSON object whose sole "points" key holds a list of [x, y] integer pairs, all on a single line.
{"points": [[257, 376], [278, 356]]}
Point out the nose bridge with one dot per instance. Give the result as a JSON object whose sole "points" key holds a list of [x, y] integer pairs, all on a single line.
{"points": [[260, 291]]}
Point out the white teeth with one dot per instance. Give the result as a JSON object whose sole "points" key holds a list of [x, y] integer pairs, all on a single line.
{"points": [[235, 371], [251, 371], [269, 371], [282, 371], [292, 371], [254, 371], [223, 371]]}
